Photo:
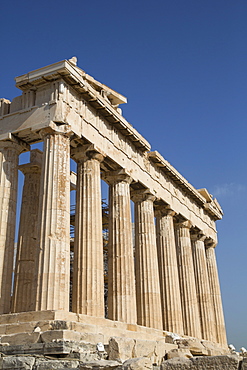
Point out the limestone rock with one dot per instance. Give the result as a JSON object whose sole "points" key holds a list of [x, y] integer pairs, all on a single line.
{"points": [[44, 364], [20, 338], [140, 363], [229, 362], [193, 345], [100, 364], [214, 349], [120, 348], [161, 349], [244, 364], [185, 353], [51, 335], [176, 363], [144, 348], [17, 362]]}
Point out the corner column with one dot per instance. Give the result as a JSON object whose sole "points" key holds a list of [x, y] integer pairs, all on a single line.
{"points": [[88, 268], [121, 276], [27, 240], [202, 287], [215, 292], [146, 263], [53, 258], [168, 271], [9, 153], [190, 307]]}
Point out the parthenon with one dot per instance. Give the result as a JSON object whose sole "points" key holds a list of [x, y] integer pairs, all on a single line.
{"points": [[164, 281]]}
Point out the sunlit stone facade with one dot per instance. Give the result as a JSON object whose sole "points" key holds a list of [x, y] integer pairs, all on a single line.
{"points": [[167, 281]]}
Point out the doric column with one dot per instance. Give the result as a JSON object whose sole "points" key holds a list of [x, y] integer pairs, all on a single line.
{"points": [[53, 259], [27, 238], [215, 292], [146, 263], [9, 153], [202, 287], [88, 269], [121, 275], [187, 280], [168, 271]]}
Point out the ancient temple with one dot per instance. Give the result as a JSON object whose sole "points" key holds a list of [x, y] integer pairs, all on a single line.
{"points": [[166, 281]]}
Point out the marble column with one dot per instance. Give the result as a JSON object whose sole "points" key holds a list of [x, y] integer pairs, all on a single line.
{"points": [[27, 238], [215, 292], [146, 263], [202, 287], [121, 275], [88, 269], [52, 266], [9, 153], [168, 271], [190, 307]]}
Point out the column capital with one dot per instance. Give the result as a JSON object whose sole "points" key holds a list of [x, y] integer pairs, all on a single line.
{"points": [[86, 152], [56, 130], [35, 163], [197, 235], [15, 143], [112, 177], [183, 224], [210, 243], [29, 168], [162, 211], [142, 195]]}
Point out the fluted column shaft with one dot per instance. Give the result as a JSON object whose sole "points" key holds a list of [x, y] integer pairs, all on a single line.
{"points": [[146, 264], [27, 238], [187, 281], [9, 153], [53, 259], [202, 287], [216, 294], [168, 272], [121, 275], [88, 269]]}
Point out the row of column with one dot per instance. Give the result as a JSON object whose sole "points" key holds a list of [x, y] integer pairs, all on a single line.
{"points": [[171, 284]]}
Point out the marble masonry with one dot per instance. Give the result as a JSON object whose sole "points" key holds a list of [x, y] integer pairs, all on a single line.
{"points": [[163, 280]]}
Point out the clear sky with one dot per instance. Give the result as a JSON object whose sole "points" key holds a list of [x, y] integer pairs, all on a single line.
{"points": [[183, 67]]}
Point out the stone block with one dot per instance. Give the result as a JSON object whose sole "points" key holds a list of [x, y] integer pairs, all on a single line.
{"points": [[140, 363], [244, 364], [56, 348], [161, 348], [17, 362], [202, 363], [185, 353], [20, 338], [193, 345], [176, 363], [25, 327], [44, 325], [2, 329], [100, 365], [45, 364], [214, 349], [120, 348], [131, 327], [144, 348], [52, 335], [229, 362], [27, 349], [93, 338]]}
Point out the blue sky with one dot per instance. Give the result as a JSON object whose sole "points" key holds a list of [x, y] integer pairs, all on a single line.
{"points": [[183, 67]]}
